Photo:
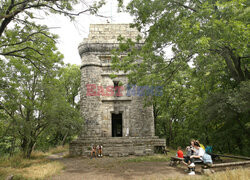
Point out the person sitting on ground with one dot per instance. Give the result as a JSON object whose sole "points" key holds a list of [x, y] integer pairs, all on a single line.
{"points": [[197, 157], [179, 152], [99, 147], [93, 150]]}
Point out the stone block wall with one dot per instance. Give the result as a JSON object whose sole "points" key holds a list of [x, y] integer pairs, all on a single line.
{"points": [[108, 33], [118, 146], [95, 52]]}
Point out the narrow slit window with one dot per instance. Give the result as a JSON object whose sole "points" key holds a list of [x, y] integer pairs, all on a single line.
{"points": [[116, 84]]}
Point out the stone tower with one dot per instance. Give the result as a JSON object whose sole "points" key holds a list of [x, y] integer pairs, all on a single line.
{"points": [[113, 117]]}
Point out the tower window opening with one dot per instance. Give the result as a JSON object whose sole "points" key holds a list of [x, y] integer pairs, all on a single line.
{"points": [[116, 85]]}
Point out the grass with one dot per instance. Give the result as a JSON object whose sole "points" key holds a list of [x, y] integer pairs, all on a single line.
{"points": [[153, 158], [59, 149], [241, 173], [235, 174], [40, 167], [37, 167], [34, 171]]}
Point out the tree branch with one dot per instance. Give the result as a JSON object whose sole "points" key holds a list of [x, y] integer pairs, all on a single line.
{"points": [[8, 18], [25, 57], [20, 50], [31, 4], [186, 7], [6, 110]]}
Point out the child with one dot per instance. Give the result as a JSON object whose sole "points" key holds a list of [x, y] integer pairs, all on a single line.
{"points": [[93, 150], [188, 154], [189, 151], [179, 152], [99, 147]]}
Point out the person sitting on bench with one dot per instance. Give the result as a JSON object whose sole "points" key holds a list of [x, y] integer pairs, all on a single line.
{"points": [[179, 152], [201, 145], [197, 157], [190, 151]]}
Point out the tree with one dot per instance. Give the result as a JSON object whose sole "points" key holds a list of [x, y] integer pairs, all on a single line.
{"points": [[33, 101], [213, 36], [214, 29], [70, 80], [20, 13], [33, 98], [71, 85]]}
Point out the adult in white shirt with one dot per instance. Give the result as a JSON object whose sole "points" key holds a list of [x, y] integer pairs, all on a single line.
{"points": [[197, 157]]}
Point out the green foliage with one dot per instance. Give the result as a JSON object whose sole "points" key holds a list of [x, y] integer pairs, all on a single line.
{"points": [[38, 94], [38, 97], [208, 100], [19, 30]]}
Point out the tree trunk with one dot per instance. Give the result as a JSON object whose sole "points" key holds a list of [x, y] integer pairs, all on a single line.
{"points": [[13, 145], [170, 131], [229, 147], [165, 133], [234, 64], [27, 147], [33, 147], [64, 138]]}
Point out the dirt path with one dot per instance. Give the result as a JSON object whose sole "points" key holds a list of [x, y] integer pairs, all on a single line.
{"points": [[114, 168]]}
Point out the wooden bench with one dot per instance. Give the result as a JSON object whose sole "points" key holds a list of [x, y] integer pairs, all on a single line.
{"points": [[165, 151], [226, 164], [208, 169], [230, 156], [175, 160], [161, 149]]}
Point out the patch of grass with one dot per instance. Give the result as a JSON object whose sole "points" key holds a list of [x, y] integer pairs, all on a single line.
{"points": [[37, 167], [59, 149], [153, 158], [67, 155], [41, 171], [239, 174], [3, 174]]}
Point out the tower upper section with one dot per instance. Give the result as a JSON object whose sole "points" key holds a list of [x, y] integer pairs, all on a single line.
{"points": [[108, 33], [103, 37]]}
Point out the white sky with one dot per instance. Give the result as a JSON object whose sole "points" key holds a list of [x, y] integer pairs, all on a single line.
{"points": [[71, 34]]}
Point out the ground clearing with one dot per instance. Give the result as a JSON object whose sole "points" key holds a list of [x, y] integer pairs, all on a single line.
{"points": [[152, 167], [55, 165]]}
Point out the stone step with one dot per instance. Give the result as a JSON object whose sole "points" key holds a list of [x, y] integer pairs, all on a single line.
{"points": [[117, 146]]}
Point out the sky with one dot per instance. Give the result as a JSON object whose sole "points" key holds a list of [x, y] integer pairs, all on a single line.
{"points": [[71, 34]]}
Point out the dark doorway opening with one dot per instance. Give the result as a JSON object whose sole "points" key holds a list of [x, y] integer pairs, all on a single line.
{"points": [[117, 125]]}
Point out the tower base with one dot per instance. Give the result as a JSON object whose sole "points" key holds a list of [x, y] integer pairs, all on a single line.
{"points": [[117, 146]]}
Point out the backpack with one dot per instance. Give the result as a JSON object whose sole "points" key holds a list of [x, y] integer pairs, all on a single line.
{"points": [[207, 159], [209, 149]]}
